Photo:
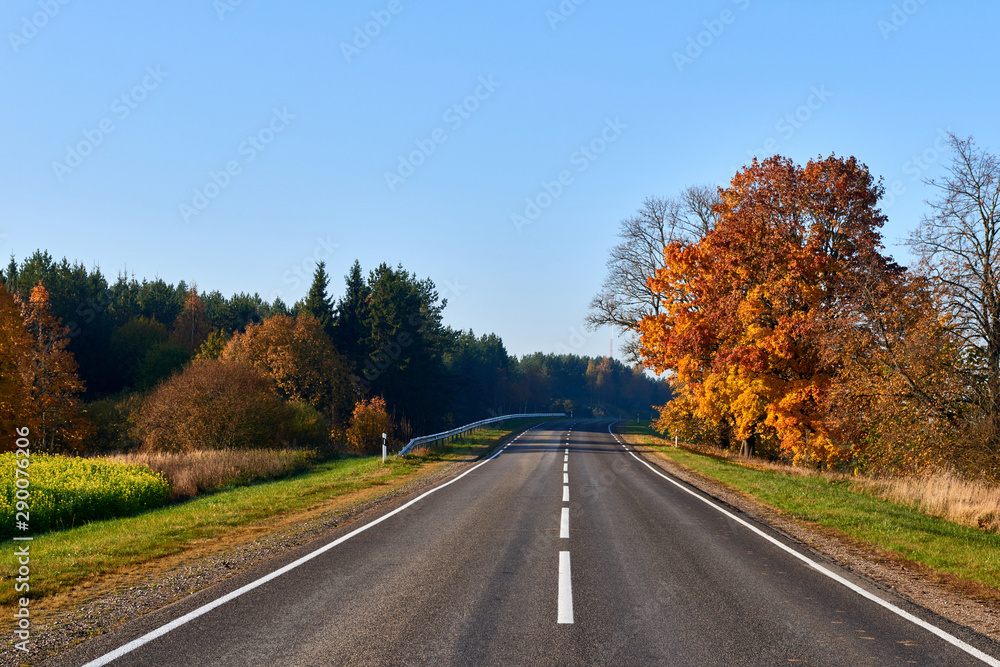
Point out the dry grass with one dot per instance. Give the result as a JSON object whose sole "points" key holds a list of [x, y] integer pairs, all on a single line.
{"points": [[944, 495], [205, 471]]}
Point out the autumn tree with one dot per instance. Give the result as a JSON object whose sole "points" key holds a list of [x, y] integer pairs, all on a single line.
{"points": [[191, 327], [368, 422], [747, 304], [212, 404], [625, 296], [959, 242], [297, 355], [899, 394], [15, 351], [50, 374]]}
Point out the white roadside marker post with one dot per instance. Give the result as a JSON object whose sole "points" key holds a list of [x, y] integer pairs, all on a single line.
{"points": [[384, 436]]}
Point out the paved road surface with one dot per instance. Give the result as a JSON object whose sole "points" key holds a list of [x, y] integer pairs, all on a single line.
{"points": [[565, 549]]}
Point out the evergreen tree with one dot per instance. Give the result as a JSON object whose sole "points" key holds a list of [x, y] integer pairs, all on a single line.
{"points": [[352, 313], [317, 303]]}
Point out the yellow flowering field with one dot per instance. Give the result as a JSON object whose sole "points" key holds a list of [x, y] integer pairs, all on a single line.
{"points": [[59, 492]]}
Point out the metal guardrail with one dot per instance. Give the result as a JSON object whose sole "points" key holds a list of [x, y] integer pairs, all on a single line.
{"points": [[470, 427]]}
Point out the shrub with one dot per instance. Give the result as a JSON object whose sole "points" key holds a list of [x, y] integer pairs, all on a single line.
{"points": [[113, 423], [66, 492], [306, 426], [212, 404], [368, 423]]}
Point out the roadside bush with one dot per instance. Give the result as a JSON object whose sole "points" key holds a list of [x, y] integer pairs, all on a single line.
{"points": [[212, 404], [369, 421], [66, 492]]}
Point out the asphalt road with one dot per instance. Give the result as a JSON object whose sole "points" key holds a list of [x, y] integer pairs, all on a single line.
{"points": [[564, 549]]}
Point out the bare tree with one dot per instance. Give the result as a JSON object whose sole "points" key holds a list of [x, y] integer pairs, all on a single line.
{"points": [[625, 298], [960, 243]]}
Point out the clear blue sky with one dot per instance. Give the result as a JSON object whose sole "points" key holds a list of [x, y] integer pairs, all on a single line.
{"points": [[184, 85]]}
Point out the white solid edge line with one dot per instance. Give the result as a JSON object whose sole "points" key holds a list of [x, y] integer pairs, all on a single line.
{"points": [[933, 629], [564, 524], [218, 602], [565, 494], [565, 612]]}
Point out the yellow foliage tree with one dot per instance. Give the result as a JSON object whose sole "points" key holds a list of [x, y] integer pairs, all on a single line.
{"points": [[369, 421]]}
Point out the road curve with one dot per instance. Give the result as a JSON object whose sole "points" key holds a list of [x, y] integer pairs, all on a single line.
{"points": [[565, 548]]}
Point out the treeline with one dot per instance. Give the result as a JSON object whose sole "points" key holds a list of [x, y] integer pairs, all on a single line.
{"points": [[96, 366], [786, 330]]}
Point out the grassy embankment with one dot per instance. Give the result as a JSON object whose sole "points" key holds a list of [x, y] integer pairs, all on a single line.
{"points": [[88, 556], [855, 507]]}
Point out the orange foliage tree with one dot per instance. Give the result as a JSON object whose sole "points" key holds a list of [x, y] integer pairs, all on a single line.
{"points": [[298, 356], [749, 304], [49, 373], [212, 404], [15, 349]]}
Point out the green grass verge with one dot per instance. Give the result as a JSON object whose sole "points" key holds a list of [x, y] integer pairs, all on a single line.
{"points": [[60, 560], [828, 501]]}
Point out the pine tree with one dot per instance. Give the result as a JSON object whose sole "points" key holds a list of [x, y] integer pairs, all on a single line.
{"points": [[317, 303], [352, 313]]}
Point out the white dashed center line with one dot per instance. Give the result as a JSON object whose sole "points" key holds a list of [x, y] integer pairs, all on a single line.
{"points": [[565, 614]]}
